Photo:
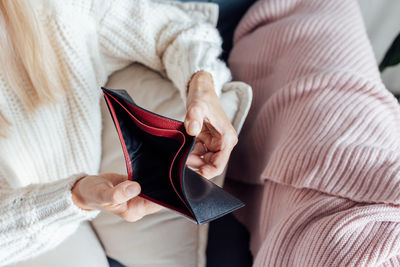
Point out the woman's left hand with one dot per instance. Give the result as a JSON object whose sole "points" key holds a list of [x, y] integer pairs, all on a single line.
{"points": [[206, 120]]}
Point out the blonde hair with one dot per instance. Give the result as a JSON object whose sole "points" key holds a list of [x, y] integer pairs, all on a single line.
{"points": [[32, 65]]}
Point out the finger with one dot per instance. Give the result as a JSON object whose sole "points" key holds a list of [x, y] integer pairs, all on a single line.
{"points": [[209, 157], [211, 142], [135, 210], [212, 128], [195, 161], [117, 209], [220, 158], [114, 178], [209, 171], [139, 207], [194, 119], [199, 148], [151, 207], [215, 163], [215, 131], [120, 193]]}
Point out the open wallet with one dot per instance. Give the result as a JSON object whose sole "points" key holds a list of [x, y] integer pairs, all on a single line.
{"points": [[155, 150]]}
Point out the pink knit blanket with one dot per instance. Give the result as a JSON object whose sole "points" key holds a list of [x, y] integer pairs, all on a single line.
{"points": [[322, 137]]}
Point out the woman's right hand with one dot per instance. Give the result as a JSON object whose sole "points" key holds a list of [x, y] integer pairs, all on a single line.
{"points": [[113, 193]]}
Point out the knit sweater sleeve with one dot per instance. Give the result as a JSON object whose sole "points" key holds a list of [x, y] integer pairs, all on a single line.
{"points": [[37, 218], [163, 36]]}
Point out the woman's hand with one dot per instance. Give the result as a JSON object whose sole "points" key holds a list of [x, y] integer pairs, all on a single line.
{"points": [[206, 119], [113, 193]]}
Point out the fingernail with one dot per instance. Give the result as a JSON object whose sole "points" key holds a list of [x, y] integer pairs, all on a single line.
{"points": [[194, 127], [132, 190]]}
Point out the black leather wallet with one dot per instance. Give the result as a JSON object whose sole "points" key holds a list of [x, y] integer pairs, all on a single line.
{"points": [[155, 150]]}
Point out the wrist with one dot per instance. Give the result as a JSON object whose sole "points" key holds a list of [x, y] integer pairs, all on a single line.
{"points": [[76, 195]]}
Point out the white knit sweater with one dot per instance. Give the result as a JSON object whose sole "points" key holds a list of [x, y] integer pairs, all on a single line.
{"points": [[48, 150]]}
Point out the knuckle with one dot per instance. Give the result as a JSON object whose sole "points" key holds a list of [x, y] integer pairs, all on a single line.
{"points": [[232, 138], [229, 140], [219, 170], [235, 139]]}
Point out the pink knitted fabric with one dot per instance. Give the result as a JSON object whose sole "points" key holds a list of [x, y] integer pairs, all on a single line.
{"points": [[322, 137]]}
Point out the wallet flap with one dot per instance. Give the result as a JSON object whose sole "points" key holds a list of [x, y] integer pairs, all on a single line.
{"points": [[207, 200]]}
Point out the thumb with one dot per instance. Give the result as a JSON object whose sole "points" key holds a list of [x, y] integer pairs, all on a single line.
{"points": [[194, 119], [122, 192]]}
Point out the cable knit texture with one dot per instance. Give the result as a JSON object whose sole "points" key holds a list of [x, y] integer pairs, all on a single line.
{"points": [[45, 151], [322, 137]]}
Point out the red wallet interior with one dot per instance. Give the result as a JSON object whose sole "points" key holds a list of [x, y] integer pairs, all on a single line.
{"points": [[157, 126]]}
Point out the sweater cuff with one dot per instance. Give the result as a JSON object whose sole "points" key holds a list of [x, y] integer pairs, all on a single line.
{"points": [[86, 214], [62, 206], [192, 52]]}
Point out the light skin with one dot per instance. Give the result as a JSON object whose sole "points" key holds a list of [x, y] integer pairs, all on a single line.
{"points": [[215, 139]]}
